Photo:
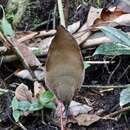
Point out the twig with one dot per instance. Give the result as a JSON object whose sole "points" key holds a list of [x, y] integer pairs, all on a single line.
{"points": [[116, 112], [105, 86], [4, 90], [40, 24], [36, 34], [66, 10], [8, 58], [120, 77], [61, 13], [21, 126], [54, 16], [112, 73], [99, 62]]}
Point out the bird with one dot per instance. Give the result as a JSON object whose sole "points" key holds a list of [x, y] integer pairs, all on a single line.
{"points": [[64, 66]]}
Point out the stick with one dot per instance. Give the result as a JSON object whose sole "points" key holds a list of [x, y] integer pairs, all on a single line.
{"points": [[61, 13], [35, 35], [99, 62], [116, 112], [106, 86]]}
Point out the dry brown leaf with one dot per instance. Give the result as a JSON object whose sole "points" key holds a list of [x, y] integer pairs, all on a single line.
{"points": [[108, 16], [121, 20], [83, 32], [24, 36], [96, 39], [22, 93], [87, 119], [28, 55], [93, 14]]}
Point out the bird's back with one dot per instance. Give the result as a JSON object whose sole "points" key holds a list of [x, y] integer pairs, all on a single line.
{"points": [[64, 66]]}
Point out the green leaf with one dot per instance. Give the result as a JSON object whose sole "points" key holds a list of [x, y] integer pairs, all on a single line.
{"points": [[20, 105], [35, 105], [24, 105], [16, 115], [125, 96], [51, 105], [86, 64], [116, 34], [6, 27], [14, 103], [45, 97], [112, 49]]}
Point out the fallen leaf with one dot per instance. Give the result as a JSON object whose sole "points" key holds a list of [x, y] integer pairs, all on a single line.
{"points": [[93, 14], [124, 6], [40, 74], [125, 97], [112, 49], [22, 93], [83, 32], [74, 27], [78, 108], [121, 20], [116, 35], [96, 39], [38, 87], [107, 16], [87, 119], [25, 74], [28, 55], [44, 44]]}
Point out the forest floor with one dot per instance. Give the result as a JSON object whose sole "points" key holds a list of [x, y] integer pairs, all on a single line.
{"points": [[103, 101]]}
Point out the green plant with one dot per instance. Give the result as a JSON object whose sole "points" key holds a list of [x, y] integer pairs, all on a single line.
{"points": [[45, 99]]}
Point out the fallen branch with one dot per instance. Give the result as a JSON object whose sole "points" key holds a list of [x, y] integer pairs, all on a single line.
{"points": [[36, 34], [106, 86], [10, 58], [116, 112]]}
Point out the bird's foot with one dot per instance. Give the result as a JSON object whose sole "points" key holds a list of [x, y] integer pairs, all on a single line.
{"points": [[59, 112], [60, 109]]}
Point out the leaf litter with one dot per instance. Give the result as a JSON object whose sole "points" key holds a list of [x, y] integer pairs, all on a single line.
{"points": [[23, 94]]}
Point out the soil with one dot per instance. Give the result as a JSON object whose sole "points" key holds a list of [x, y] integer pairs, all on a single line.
{"points": [[102, 103]]}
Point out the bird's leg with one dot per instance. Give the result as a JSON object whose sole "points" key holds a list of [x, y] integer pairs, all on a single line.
{"points": [[61, 116], [60, 111]]}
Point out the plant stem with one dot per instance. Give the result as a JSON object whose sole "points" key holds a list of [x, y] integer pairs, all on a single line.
{"points": [[61, 13]]}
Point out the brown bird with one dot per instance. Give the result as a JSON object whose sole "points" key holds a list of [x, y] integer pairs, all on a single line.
{"points": [[64, 66]]}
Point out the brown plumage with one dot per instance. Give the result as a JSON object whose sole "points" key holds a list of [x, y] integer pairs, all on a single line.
{"points": [[64, 66]]}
